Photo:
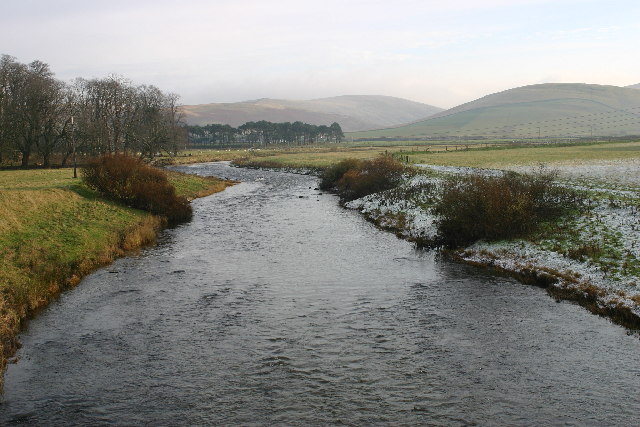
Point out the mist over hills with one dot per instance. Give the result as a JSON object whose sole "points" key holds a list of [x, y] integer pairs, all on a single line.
{"points": [[543, 110], [352, 112]]}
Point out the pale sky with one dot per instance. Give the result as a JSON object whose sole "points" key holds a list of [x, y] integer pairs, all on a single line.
{"points": [[440, 52]]}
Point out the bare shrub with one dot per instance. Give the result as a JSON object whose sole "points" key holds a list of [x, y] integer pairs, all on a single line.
{"points": [[478, 207], [128, 180], [331, 175], [353, 178]]}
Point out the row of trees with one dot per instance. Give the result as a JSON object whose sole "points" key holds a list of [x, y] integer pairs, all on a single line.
{"points": [[264, 133], [43, 115]]}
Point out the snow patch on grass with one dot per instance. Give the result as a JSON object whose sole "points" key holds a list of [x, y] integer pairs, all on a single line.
{"points": [[607, 173], [404, 209], [595, 253]]}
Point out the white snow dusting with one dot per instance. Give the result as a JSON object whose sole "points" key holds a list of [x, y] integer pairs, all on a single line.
{"points": [[612, 224]]}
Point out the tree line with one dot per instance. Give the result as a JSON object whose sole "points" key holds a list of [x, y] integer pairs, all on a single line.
{"points": [[264, 133], [48, 118]]}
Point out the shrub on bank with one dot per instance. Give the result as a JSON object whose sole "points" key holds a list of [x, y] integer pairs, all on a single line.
{"points": [[127, 179], [331, 175], [478, 207], [353, 178]]}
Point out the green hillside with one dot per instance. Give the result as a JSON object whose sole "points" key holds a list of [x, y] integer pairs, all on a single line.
{"points": [[545, 110], [352, 112]]}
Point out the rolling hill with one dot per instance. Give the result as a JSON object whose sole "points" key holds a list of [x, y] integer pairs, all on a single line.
{"points": [[544, 110], [637, 86], [352, 112]]}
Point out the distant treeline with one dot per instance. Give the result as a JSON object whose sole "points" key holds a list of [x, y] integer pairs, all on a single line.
{"points": [[264, 133], [44, 117]]}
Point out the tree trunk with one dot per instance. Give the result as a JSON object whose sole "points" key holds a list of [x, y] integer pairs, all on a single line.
{"points": [[25, 159], [65, 157]]}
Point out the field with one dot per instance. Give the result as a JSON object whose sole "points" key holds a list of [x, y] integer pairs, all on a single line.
{"points": [[498, 157], [54, 230], [487, 154]]}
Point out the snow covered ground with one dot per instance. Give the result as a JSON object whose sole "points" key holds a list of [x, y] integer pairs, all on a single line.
{"points": [[611, 225], [625, 173]]}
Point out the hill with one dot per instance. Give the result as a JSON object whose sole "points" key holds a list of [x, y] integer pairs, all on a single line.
{"points": [[544, 110], [352, 112], [637, 86]]}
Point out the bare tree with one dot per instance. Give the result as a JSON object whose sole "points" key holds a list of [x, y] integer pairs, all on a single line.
{"points": [[156, 125], [26, 103], [110, 115], [7, 63], [110, 105], [56, 121]]}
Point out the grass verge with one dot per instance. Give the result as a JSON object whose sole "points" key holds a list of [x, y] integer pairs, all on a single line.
{"points": [[54, 230]]}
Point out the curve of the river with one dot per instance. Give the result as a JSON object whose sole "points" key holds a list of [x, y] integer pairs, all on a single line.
{"points": [[276, 306]]}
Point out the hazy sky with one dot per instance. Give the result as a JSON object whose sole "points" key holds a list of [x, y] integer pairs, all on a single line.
{"points": [[441, 52]]}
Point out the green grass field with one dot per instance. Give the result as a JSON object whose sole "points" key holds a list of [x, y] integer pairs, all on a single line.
{"points": [[490, 154]]}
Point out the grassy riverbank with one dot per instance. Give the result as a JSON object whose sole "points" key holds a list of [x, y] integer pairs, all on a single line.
{"points": [[54, 230]]}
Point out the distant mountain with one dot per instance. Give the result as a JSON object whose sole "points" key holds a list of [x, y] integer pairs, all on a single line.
{"points": [[637, 86], [352, 112], [545, 110]]}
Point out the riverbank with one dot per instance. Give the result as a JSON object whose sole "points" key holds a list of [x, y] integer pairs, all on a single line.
{"points": [[327, 321], [592, 258], [54, 230]]}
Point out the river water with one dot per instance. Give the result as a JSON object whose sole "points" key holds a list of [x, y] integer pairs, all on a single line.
{"points": [[276, 306]]}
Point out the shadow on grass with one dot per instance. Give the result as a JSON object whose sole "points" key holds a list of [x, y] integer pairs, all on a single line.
{"points": [[82, 190]]}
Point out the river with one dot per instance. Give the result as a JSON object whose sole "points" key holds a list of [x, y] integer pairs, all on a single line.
{"points": [[277, 306]]}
